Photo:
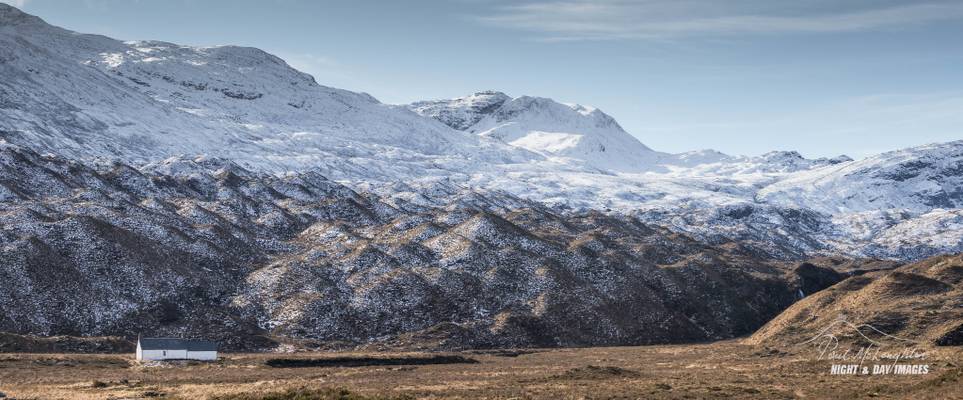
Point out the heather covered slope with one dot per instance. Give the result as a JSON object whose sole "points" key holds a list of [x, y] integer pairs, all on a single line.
{"points": [[919, 303], [203, 247]]}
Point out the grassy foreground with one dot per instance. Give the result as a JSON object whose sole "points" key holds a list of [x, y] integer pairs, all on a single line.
{"points": [[718, 370]]}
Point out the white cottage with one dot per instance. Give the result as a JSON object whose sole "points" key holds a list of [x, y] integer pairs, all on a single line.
{"points": [[150, 349]]}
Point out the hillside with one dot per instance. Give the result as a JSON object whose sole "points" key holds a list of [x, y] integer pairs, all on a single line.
{"points": [[204, 247], [916, 304]]}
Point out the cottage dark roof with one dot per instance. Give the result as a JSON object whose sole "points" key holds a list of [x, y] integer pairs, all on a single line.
{"points": [[177, 344]]}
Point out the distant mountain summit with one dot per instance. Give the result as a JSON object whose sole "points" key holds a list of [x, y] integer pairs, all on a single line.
{"points": [[88, 96], [462, 112], [544, 126]]}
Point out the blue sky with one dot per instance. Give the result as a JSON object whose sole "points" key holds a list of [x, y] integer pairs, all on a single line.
{"points": [[823, 77]]}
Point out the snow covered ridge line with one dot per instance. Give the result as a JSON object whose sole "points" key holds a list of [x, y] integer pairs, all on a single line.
{"points": [[768, 230], [584, 133], [545, 127], [89, 95]]}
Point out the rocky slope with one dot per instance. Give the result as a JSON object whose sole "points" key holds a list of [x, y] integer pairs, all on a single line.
{"points": [[204, 247], [463, 112]]}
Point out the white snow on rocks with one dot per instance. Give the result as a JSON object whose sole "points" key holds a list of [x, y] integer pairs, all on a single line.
{"points": [[93, 97]]}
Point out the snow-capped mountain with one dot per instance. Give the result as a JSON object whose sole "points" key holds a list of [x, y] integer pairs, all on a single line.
{"points": [[546, 127], [90, 97], [918, 179], [903, 204], [216, 191], [590, 136], [202, 246]]}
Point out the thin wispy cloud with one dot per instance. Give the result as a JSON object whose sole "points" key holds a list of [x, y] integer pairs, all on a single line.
{"points": [[656, 19]]}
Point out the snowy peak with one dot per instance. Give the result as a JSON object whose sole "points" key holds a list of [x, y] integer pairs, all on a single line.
{"points": [[462, 112], [88, 96], [544, 126], [795, 159], [549, 111], [792, 161]]}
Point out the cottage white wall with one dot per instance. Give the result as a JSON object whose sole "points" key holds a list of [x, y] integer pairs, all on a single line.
{"points": [[160, 354], [202, 355]]}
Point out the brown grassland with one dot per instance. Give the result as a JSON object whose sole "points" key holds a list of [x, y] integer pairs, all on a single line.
{"points": [[719, 370]]}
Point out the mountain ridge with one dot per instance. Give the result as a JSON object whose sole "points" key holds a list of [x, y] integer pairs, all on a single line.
{"points": [[546, 127], [203, 247], [148, 187], [90, 97]]}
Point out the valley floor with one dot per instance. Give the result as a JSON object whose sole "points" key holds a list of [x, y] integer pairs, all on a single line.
{"points": [[719, 370]]}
